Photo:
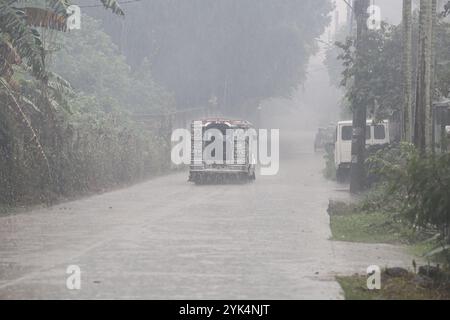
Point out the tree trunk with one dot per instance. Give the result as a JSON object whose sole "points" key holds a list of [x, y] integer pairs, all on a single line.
{"points": [[429, 127], [357, 170], [407, 74], [350, 17], [423, 91]]}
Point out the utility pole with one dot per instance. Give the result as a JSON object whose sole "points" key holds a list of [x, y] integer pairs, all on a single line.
{"points": [[336, 22], [357, 169], [423, 91], [429, 118], [407, 119], [350, 16]]}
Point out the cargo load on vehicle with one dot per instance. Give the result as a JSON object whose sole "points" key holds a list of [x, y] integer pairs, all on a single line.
{"points": [[222, 150]]}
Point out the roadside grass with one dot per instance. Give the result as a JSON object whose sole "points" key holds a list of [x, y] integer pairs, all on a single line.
{"points": [[398, 288], [5, 209], [10, 210], [420, 249], [371, 228], [349, 222]]}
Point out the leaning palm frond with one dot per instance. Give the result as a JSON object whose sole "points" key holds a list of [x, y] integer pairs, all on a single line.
{"points": [[439, 250], [45, 18], [30, 103], [59, 90], [49, 14], [26, 121], [8, 53], [17, 25], [8, 57], [114, 6], [60, 85], [24, 39]]}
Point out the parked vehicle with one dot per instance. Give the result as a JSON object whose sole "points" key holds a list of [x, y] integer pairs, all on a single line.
{"points": [[377, 133], [238, 164]]}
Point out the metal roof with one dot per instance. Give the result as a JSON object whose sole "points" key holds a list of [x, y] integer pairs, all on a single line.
{"points": [[227, 121]]}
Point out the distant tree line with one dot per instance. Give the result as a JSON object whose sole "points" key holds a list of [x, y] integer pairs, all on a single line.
{"points": [[237, 52]]}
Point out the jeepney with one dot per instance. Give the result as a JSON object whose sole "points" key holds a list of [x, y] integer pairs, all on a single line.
{"points": [[231, 158]]}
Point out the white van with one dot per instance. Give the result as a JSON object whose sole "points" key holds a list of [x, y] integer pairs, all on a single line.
{"points": [[377, 133]]}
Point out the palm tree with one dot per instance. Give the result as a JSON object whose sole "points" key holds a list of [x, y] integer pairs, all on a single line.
{"points": [[423, 90], [429, 114], [407, 81]]}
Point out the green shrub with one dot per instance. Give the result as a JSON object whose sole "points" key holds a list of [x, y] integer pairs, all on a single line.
{"points": [[416, 185]]}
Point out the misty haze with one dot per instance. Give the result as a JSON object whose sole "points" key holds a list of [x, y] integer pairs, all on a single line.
{"points": [[225, 150]]}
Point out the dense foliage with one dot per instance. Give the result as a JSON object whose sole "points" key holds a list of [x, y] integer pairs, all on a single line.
{"points": [[411, 186], [416, 186], [20, 40], [380, 67], [379, 72], [237, 51], [94, 67], [81, 119]]}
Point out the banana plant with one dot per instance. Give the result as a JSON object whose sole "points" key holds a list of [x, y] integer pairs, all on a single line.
{"points": [[20, 44], [19, 36]]}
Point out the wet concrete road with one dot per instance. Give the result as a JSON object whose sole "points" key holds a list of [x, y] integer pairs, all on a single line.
{"points": [[168, 239]]}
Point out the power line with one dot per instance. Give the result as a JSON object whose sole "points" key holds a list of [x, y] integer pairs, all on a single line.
{"points": [[100, 5], [348, 4]]}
